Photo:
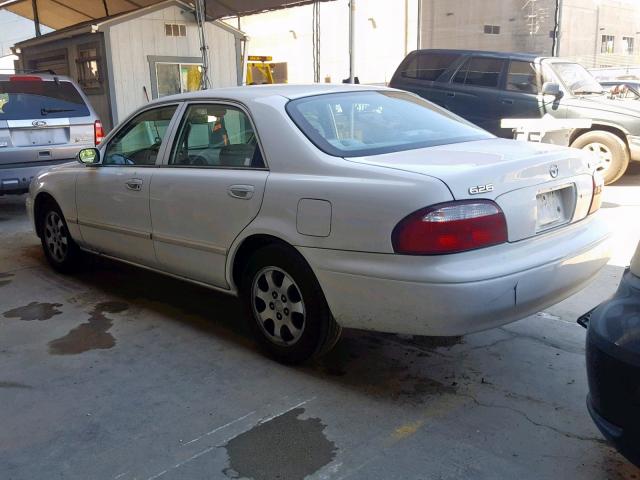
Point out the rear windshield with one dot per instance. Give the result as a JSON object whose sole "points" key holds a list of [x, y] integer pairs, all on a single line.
{"points": [[28, 99], [373, 122]]}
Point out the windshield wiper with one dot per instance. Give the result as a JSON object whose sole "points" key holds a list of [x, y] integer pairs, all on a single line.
{"points": [[46, 111]]}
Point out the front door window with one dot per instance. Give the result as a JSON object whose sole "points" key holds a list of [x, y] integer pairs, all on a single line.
{"points": [[138, 142]]}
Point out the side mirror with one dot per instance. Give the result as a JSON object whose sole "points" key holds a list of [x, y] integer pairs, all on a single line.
{"points": [[551, 88], [89, 156]]}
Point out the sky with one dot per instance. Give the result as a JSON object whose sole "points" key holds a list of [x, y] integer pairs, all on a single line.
{"points": [[13, 29]]}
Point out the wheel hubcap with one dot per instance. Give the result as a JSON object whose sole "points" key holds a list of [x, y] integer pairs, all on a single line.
{"points": [[278, 306], [603, 152], [55, 236]]}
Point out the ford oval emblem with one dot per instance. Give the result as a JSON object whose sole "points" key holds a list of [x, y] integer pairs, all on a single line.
{"points": [[39, 123], [553, 171]]}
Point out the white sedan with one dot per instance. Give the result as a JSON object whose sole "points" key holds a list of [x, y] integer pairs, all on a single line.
{"points": [[329, 206]]}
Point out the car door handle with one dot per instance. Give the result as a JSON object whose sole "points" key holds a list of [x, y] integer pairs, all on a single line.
{"points": [[243, 192], [506, 101], [451, 94], [134, 184]]}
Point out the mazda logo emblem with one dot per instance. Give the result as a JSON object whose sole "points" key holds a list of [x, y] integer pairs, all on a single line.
{"points": [[39, 123], [553, 171]]}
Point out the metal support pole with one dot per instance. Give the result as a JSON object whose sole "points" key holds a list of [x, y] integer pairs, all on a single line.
{"points": [[419, 26], [36, 17], [559, 32], [352, 40], [406, 27]]}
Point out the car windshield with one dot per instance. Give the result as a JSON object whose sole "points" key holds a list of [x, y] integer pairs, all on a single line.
{"points": [[373, 122], [29, 99], [577, 79]]}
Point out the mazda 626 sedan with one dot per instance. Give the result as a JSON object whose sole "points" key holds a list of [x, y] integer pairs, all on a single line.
{"points": [[332, 206]]}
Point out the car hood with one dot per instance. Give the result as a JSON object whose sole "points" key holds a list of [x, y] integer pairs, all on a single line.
{"points": [[505, 164], [603, 103]]}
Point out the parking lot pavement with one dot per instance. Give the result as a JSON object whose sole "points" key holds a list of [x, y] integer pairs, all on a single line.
{"points": [[117, 373]]}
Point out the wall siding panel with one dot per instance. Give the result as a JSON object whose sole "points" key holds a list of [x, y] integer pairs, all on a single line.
{"points": [[135, 39]]}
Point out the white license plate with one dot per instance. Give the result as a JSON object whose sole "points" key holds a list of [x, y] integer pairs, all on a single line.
{"points": [[550, 208]]}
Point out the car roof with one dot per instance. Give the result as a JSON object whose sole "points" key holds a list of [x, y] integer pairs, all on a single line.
{"points": [[43, 76], [253, 92], [513, 55]]}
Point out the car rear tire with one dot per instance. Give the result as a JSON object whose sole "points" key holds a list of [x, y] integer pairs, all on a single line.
{"points": [[610, 148], [61, 251], [289, 315]]}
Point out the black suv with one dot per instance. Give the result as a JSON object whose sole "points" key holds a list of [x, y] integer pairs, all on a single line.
{"points": [[485, 87]]}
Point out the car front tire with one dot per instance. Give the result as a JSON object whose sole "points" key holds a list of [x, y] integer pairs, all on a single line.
{"points": [[289, 315], [611, 150], [61, 251]]}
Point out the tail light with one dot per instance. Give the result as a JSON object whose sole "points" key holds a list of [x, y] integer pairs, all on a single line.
{"points": [[596, 198], [98, 132], [450, 228]]}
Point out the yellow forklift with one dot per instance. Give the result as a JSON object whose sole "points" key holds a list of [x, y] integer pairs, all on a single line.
{"points": [[258, 71]]}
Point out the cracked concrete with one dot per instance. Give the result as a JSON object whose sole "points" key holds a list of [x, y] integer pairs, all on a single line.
{"points": [[182, 379]]}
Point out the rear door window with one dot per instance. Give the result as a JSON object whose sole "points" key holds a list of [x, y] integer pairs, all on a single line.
{"points": [[522, 77], [35, 98], [429, 66], [480, 72]]}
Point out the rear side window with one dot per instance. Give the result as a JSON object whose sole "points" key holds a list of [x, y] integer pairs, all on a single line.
{"points": [[522, 77], [377, 121], [481, 72], [428, 66], [29, 99]]}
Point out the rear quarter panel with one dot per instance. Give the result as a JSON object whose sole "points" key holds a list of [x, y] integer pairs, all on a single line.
{"points": [[366, 201]]}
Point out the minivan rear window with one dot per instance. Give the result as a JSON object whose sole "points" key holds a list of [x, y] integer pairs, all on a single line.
{"points": [[429, 66], [29, 99], [372, 122]]}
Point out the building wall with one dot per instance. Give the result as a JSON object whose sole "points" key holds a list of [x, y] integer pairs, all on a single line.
{"points": [[132, 41], [29, 56], [526, 25], [286, 36], [584, 22], [523, 26]]}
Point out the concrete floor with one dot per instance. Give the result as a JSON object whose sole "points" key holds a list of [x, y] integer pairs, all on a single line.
{"points": [[117, 373]]}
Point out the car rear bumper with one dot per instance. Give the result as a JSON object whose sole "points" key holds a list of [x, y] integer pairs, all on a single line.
{"points": [[457, 294], [16, 179]]}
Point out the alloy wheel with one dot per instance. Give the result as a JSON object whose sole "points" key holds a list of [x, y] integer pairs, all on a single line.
{"points": [[56, 236], [278, 306]]}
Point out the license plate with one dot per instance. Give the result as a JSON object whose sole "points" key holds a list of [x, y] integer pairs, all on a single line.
{"points": [[551, 209]]}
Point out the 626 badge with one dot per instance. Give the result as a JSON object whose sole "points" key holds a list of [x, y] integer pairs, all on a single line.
{"points": [[481, 189]]}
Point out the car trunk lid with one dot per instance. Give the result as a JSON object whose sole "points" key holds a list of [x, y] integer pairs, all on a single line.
{"points": [[539, 187]]}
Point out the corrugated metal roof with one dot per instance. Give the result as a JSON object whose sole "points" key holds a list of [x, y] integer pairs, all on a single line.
{"points": [[60, 14]]}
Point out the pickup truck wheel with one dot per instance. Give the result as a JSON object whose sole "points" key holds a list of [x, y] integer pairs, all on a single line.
{"points": [[290, 317], [612, 151], [61, 251]]}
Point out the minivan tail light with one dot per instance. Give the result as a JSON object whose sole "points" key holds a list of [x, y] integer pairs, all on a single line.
{"points": [[98, 132], [596, 197], [450, 227]]}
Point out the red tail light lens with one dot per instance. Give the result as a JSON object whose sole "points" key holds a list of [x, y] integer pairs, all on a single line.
{"points": [[98, 132], [450, 228], [596, 198]]}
